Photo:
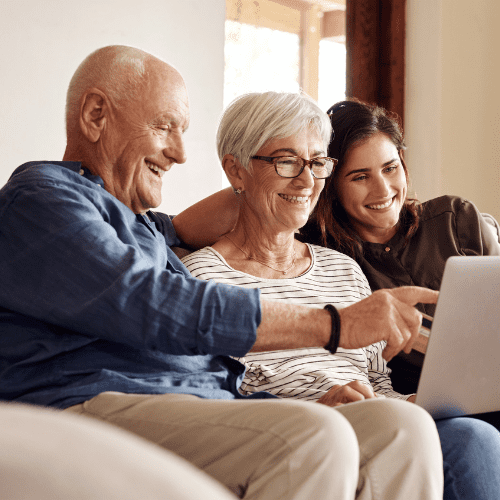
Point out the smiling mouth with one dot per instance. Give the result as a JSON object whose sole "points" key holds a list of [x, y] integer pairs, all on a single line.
{"points": [[295, 199], [387, 204], [154, 168]]}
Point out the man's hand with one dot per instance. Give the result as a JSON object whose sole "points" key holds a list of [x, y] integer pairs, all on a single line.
{"points": [[342, 394], [386, 315]]}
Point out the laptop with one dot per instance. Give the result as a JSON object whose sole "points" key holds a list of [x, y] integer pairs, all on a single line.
{"points": [[461, 370]]}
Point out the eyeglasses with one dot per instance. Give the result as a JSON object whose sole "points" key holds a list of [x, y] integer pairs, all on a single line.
{"points": [[293, 166]]}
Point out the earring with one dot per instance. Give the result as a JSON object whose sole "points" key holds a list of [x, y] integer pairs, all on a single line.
{"points": [[237, 191]]}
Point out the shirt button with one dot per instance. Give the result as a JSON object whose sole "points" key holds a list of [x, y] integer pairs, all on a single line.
{"points": [[99, 185], [81, 171], [387, 249]]}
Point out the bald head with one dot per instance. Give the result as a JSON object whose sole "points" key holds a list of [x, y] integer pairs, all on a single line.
{"points": [[117, 70]]}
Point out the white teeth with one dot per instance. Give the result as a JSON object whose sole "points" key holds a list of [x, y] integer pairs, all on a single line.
{"points": [[295, 199], [380, 207], [155, 168]]}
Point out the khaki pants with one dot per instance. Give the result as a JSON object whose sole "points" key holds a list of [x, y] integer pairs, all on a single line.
{"points": [[281, 449], [47, 454]]}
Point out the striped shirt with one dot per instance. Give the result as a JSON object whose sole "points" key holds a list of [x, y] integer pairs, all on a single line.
{"points": [[307, 373]]}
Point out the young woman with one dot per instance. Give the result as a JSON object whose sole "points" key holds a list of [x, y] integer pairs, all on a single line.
{"points": [[365, 212]]}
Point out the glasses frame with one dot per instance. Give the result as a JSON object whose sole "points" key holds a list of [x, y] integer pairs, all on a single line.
{"points": [[308, 163]]}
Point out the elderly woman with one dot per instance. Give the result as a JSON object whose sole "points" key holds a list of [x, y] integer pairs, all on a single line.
{"points": [[277, 168], [273, 150]]}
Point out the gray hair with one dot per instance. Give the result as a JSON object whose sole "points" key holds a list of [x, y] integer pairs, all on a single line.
{"points": [[117, 70], [252, 120]]}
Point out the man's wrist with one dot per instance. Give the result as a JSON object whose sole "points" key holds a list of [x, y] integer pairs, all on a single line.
{"points": [[334, 341]]}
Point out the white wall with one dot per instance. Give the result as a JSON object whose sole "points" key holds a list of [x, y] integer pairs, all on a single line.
{"points": [[453, 81], [453, 100], [43, 42]]}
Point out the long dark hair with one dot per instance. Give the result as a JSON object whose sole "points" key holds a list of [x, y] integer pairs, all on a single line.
{"points": [[353, 123]]}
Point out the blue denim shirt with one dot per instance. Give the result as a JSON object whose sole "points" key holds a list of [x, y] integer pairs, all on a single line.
{"points": [[93, 299]]}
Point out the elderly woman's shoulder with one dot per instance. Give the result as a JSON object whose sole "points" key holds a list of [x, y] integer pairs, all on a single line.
{"points": [[328, 254]]}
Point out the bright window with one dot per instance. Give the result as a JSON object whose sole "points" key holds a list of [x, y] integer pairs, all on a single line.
{"points": [[285, 45], [259, 59], [332, 77]]}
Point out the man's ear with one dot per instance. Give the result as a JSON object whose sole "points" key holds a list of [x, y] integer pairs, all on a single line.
{"points": [[93, 113], [234, 171]]}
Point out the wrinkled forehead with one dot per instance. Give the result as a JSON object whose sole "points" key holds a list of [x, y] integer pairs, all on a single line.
{"points": [[307, 141]]}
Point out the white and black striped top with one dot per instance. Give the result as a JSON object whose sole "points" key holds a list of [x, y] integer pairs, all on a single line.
{"points": [[333, 278]]}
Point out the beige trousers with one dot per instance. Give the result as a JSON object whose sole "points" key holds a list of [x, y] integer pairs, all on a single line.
{"points": [[281, 449], [52, 455]]}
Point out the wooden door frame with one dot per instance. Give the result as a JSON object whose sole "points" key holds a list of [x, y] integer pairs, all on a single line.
{"points": [[375, 42]]}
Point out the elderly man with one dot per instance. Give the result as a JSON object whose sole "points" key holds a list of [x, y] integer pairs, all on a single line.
{"points": [[99, 317]]}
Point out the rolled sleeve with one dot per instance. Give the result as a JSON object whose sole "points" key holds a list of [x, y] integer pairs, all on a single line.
{"points": [[75, 257]]}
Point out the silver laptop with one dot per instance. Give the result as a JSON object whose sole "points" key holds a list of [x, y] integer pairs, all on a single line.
{"points": [[461, 371]]}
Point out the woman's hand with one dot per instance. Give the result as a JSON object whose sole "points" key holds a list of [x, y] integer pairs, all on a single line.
{"points": [[348, 393]]}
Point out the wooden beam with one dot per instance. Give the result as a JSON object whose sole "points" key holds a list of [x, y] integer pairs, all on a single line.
{"points": [[376, 52], [362, 43], [333, 24], [311, 36], [265, 14], [392, 57], [324, 5]]}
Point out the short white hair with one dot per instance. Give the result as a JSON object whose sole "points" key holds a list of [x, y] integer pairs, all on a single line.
{"points": [[252, 120], [116, 70]]}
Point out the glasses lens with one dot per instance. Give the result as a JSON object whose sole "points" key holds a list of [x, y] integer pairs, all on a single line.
{"points": [[322, 168], [291, 166], [288, 166]]}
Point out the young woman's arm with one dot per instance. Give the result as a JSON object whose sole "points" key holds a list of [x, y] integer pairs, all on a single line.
{"points": [[204, 222]]}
